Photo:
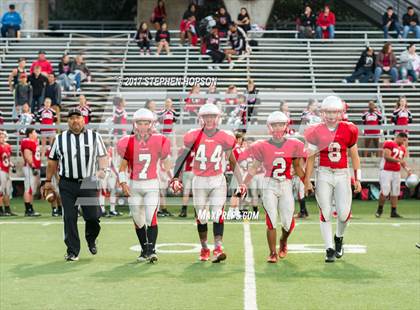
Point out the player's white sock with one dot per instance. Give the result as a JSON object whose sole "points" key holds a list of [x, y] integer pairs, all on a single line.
{"points": [[341, 227], [326, 232], [112, 201], [102, 202]]}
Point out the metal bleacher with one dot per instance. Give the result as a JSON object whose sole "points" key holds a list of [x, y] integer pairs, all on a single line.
{"points": [[282, 66]]}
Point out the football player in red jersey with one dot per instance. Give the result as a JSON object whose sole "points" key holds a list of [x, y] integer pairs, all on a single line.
{"points": [[5, 182], [29, 149], [389, 175], [141, 153], [209, 145], [277, 155], [332, 139]]}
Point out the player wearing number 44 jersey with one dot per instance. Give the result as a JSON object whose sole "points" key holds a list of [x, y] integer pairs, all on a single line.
{"points": [[277, 155], [389, 176], [209, 144], [141, 153], [332, 139]]}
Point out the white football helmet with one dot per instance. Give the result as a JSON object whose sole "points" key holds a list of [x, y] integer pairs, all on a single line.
{"points": [[411, 181], [209, 109], [277, 117], [6, 136], [143, 115], [332, 110]]}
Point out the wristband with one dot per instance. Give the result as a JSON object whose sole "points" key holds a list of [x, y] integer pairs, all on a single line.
{"points": [[357, 174], [122, 177]]}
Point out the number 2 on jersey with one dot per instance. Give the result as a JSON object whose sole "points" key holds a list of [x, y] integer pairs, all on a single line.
{"points": [[215, 158], [279, 167]]}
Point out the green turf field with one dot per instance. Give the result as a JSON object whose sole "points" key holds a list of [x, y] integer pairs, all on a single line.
{"points": [[34, 275]]}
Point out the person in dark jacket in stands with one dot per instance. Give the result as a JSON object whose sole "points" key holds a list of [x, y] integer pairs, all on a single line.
{"points": [[238, 42], [38, 82], [213, 47], [143, 38], [390, 22], [53, 91], [411, 23], [163, 39], [365, 67], [306, 24], [23, 94], [223, 21], [244, 21]]}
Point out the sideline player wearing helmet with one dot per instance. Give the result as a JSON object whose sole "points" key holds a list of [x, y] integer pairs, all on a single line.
{"points": [[209, 145], [277, 155], [141, 153], [332, 139]]}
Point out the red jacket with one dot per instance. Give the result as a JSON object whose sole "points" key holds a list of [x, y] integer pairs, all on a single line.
{"points": [[325, 21], [45, 66]]}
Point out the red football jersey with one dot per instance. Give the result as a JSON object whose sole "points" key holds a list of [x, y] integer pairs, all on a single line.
{"points": [[209, 150], [5, 152], [372, 119], [47, 117], [189, 161], [34, 148], [277, 158], [143, 156], [332, 145], [249, 157], [236, 151], [397, 152], [86, 113]]}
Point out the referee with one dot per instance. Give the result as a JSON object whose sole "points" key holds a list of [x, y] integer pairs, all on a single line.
{"points": [[80, 156]]}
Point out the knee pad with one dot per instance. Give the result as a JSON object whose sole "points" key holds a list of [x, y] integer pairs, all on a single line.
{"points": [[218, 229]]}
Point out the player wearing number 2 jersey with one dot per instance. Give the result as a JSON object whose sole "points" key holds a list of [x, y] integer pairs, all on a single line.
{"points": [[277, 155], [332, 139], [389, 176], [209, 144], [141, 153]]}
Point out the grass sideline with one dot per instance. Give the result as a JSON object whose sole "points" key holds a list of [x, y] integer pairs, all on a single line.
{"points": [[34, 275]]}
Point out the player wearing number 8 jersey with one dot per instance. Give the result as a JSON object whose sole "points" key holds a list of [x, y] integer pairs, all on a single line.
{"points": [[209, 144], [141, 153], [332, 139], [277, 155]]}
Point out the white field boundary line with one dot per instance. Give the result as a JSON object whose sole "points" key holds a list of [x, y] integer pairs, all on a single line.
{"points": [[129, 222], [250, 287]]}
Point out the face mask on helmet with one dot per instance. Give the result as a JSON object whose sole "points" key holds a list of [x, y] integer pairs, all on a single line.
{"points": [[209, 121], [332, 116], [277, 130], [143, 127]]}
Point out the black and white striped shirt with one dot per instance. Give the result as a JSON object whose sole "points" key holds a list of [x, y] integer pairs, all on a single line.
{"points": [[77, 154]]}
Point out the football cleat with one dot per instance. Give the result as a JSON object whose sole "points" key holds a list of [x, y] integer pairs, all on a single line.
{"points": [[8, 212], [272, 258], [395, 214], [152, 258], [218, 255], [300, 215], [71, 257], [114, 213], [283, 248], [54, 212], [166, 212], [339, 250], [142, 257], [418, 245], [330, 256], [204, 254], [1, 212], [183, 212], [93, 248], [32, 214], [161, 214], [379, 212]]}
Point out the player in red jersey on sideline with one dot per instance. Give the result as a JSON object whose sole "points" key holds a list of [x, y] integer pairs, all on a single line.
{"points": [[331, 140], [5, 181], [209, 145]]}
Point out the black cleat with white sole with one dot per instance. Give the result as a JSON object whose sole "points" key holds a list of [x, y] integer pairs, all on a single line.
{"points": [[330, 255], [339, 250]]}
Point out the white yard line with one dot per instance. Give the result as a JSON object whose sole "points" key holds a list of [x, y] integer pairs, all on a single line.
{"points": [[250, 288]]}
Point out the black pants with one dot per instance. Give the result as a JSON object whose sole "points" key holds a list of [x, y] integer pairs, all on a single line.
{"points": [[216, 56], [37, 102], [70, 192]]}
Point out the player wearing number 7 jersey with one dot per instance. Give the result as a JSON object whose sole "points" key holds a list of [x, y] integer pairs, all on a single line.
{"points": [[141, 153], [209, 144], [277, 154], [332, 139]]}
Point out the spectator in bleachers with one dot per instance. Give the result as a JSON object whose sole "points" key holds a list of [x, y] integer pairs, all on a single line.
{"points": [[85, 109], [143, 38], [11, 20], [251, 93], [311, 114], [185, 24], [365, 67], [306, 23], [230, 103], [159, 14], [38, 82], [191, 31], [81, 72], [53, 92], [386, 62], [284, 107], [65, 73], [46, 116], [411, 23], [223, 21], [238, 42], [25, 118], [213, 48], [244, 20], [325, 23], [14, 75], [192, 105], [372, 117], [119, 115], [390, 22], [167, 117], [408, 58], [212, 90], [401, 115], [23, 94], [43, 63], [163, 39]]}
